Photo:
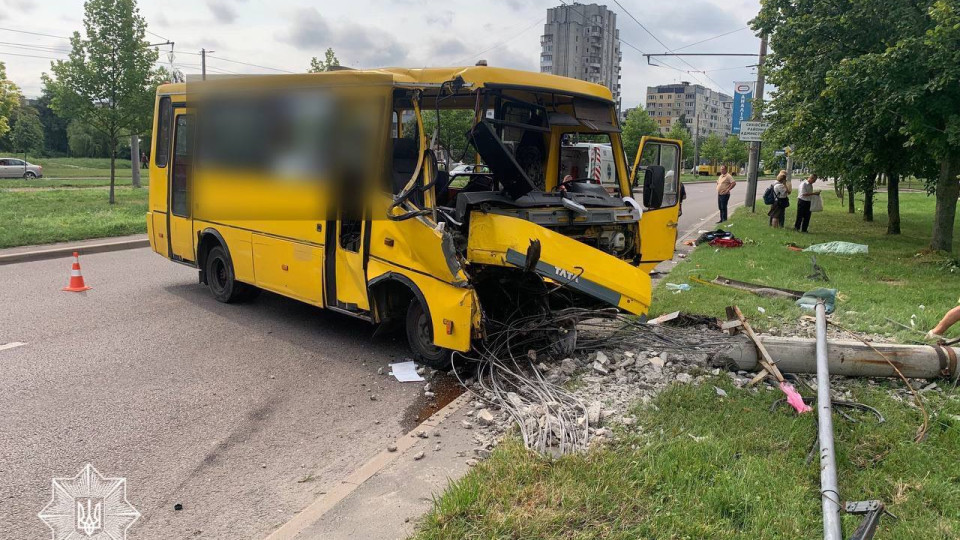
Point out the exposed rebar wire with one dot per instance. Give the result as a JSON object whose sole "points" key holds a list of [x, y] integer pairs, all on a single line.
{"points": [[922, 430], [549, 417]]}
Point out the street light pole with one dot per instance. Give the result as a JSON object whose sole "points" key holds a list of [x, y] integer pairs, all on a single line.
{"points": [[754, 160], [696, 141]]}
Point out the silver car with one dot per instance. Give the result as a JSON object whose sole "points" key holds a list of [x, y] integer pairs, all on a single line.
{"points": [[18, 168]]}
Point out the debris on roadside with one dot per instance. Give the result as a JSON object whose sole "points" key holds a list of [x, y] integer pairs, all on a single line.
{"points": [[840, 248], [406, 371]]}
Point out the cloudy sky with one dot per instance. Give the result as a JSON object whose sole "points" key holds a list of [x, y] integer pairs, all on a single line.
{"points": [[285, 34]]}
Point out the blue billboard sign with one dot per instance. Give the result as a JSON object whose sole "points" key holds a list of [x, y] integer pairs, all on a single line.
{"points": [[742, 104]]}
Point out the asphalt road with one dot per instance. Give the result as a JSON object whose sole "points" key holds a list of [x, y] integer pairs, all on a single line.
{"points": [[701, 204], [243, 414]]}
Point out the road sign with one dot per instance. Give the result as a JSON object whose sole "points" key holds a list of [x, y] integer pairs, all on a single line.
{"points": [[779, 153], [752, 131], [742, 104]]}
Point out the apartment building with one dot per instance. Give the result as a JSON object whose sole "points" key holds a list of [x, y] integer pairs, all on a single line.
{"points": [[582, 41], [704, 110]]}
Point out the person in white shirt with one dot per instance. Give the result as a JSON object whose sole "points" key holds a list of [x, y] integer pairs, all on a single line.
{"points": [[803, 203], [778, 210]]}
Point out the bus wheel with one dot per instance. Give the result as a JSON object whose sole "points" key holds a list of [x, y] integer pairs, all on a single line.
{"points": [[420, 337], [221, 280]]}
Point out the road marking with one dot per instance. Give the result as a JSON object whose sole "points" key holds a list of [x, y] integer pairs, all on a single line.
{"points": [[11, 345]]}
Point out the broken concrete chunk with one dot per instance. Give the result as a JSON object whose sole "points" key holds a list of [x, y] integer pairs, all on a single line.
{"points": [[484, 417], [466, 425], [392, 447], [602, 358], [568, 366], [599, 368], [720, 391], [418, 456], [423, 434], [593, 412]]}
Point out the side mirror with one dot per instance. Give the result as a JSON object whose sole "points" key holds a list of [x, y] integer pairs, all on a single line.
{"points": [[653, 184]]}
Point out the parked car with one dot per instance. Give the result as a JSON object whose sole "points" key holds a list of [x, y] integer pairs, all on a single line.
{"points": [[470, 169], [17, 168]]}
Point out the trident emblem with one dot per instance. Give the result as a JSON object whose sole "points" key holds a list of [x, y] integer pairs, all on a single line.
{"points": [[89, 505], [89, 520]]}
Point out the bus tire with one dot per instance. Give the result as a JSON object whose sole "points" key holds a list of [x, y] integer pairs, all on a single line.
{"points": [[221, 279], [420, 337]]}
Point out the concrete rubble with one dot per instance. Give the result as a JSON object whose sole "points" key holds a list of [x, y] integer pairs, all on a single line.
{"points": [[610, 382]]}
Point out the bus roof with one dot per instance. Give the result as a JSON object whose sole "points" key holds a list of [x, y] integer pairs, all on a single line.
{"points": [[477, 76]]}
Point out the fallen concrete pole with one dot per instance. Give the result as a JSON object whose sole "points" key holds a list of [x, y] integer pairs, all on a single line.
{"points": [[849, 358]]}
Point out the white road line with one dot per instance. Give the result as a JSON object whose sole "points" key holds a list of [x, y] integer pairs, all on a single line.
{"points": [[11, 345]]}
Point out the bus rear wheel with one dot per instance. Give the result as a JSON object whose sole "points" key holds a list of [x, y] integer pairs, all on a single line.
{"points": [[221, 279], [420, 337]]}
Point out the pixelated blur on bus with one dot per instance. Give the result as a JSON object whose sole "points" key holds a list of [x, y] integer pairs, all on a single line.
{"points": [[329, 189]]}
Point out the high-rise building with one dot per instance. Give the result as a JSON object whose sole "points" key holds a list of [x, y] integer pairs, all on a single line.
{"points": [[704, 110], [582, 41]]}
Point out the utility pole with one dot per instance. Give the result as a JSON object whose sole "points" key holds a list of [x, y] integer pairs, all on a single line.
{"points": [[203, 63], [751, 201], [696, 140]]}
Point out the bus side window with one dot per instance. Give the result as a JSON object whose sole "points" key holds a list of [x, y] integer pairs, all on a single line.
{"points": [[162, 152]]}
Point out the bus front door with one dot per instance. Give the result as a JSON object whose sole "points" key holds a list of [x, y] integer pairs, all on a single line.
{"points": [[180, 176], [657, 172]]}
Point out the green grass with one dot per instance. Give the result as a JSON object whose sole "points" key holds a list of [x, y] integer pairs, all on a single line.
{"points": [[706, 467], [60, 215], [73, 168], [893, 281]]}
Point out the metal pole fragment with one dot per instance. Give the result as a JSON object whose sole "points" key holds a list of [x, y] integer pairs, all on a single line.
{"points": [[829, 492]]}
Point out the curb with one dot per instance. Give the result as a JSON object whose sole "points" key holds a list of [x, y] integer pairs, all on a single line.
{"points": [[59, 252], [318, 508]]}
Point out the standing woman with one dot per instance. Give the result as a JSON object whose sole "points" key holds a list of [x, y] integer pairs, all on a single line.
{"points": [[803, 203], [778, 210]]}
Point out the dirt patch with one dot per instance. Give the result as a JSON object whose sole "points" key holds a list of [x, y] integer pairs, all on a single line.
{"points": [[444, 389]]}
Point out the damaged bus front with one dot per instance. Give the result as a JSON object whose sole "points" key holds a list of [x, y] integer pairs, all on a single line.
{"points": [[537, 231]]}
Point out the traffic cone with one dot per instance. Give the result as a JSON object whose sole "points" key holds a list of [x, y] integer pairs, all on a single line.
{"points": [[76, 279]]}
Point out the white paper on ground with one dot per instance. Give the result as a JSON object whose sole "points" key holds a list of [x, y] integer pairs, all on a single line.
{"points": [[406, 371]]}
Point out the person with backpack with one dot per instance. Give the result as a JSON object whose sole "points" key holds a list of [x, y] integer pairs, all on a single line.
{"points": [[778, 197]]}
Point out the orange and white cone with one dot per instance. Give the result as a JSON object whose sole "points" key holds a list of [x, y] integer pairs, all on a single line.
{"points": [[76, 279]]}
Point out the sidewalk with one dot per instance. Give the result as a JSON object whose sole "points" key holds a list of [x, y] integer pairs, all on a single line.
{"points": [[385, 498], [66, 249]]}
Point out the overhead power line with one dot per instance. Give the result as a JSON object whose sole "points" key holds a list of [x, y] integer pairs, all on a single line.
{"points": [[4, 53], [502, 43], [718, 36], [634, 47], [658, 40], [33, 33], [239, 62]]}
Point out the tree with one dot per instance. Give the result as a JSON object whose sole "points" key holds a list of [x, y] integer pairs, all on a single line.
{"points": [[106, 82], [27, 132], [868, 88], [678, 131], [54, 127], [329, 62], [635, 127], [734, 151], [712, 148], [9, 99], [454, 124]]}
